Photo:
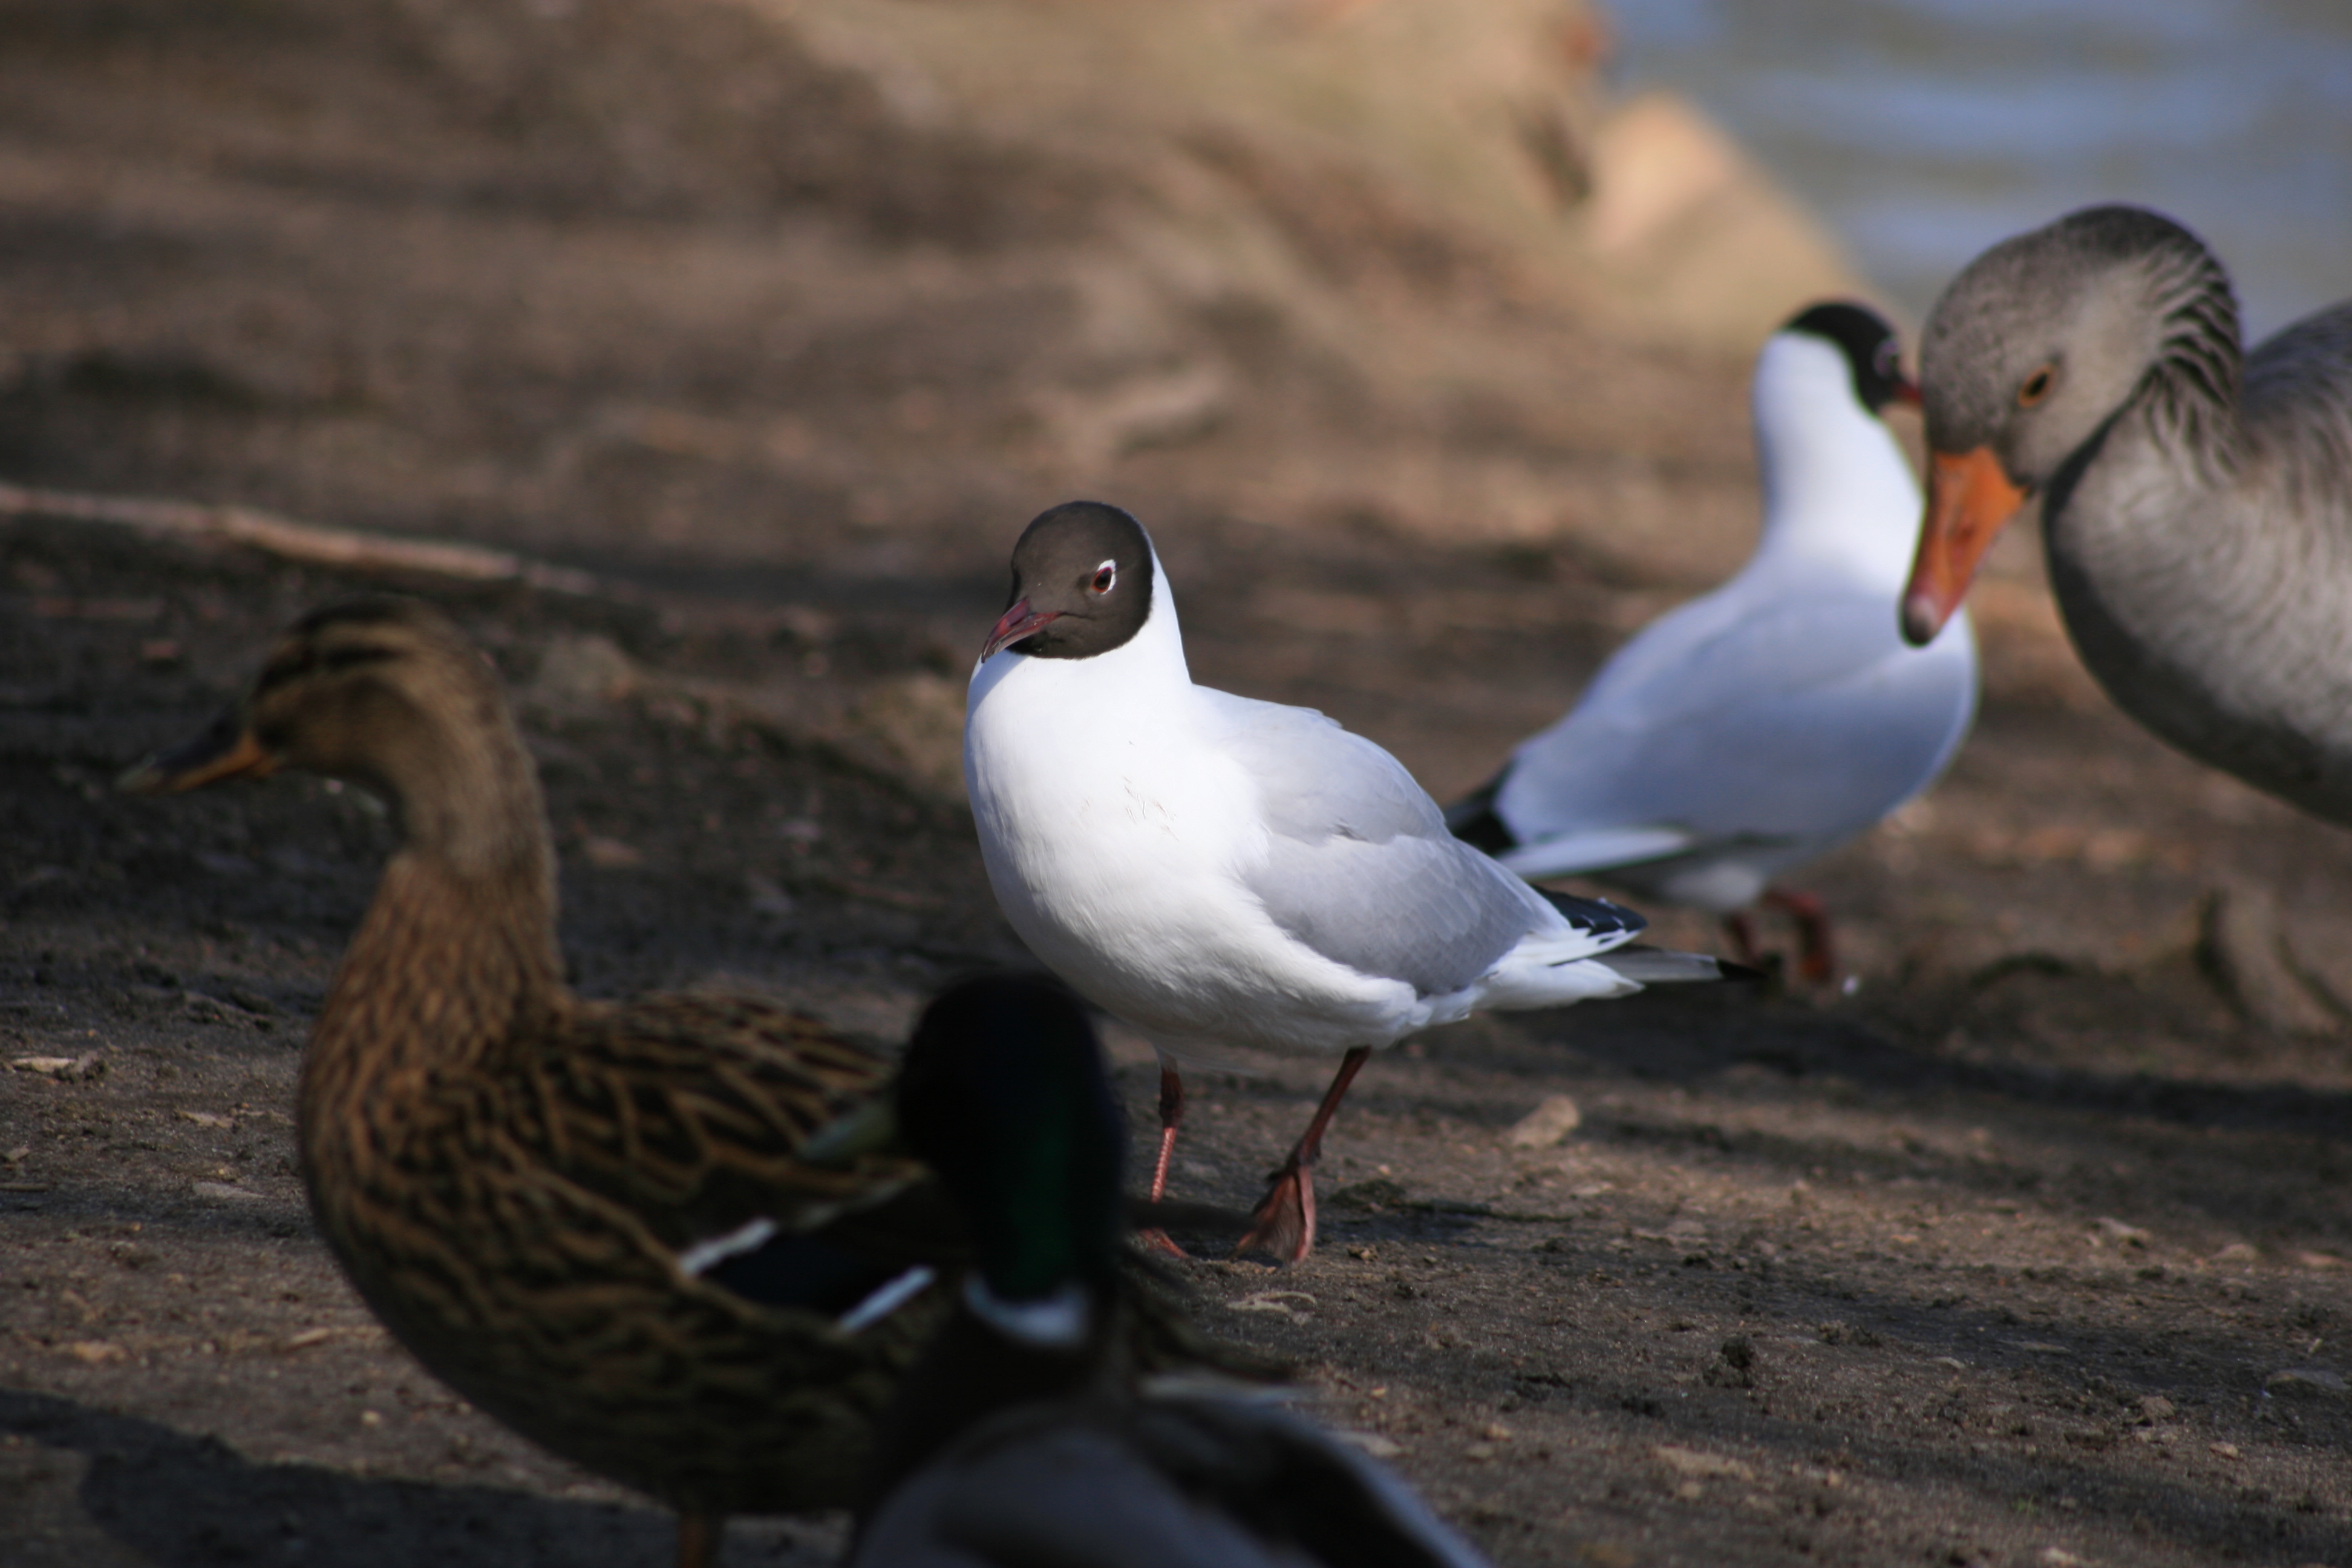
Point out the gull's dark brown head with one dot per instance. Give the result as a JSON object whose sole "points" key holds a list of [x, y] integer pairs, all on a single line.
{"points": [[1082, 584], [1873, 355]]}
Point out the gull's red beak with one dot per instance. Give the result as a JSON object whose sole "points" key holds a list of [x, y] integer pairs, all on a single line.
{"points": [[1014, 624]]}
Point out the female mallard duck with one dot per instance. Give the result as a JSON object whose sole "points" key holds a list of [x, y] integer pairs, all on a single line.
{"points": [[1023, 1435], [591, 1219]]}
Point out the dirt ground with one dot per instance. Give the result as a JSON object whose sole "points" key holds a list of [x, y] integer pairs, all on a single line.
{"points": [[2030, 1249]]}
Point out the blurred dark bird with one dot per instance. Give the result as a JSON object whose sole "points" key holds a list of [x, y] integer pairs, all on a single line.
{"points": [[1024, 1436]]}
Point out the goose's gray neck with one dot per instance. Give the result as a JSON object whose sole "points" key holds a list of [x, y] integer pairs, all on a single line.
{"points": [[2190, 394]]}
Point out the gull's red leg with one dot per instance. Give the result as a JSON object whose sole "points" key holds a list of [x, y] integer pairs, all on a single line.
{"points": [[1171, 1116], [1285, 1222], [1742, 933], [1816, 961]]}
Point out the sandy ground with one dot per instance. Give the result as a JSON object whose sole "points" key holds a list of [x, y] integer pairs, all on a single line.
{"points": [[2031, 1249]]}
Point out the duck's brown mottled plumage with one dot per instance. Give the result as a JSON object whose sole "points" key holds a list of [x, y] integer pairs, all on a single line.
{"points": [[510, 1173]]}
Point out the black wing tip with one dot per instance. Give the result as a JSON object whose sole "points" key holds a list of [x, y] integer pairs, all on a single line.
{"points": [[1600, 916], [1473, 820]]}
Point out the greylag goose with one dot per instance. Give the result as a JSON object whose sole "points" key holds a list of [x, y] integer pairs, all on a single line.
{"points": [[2195, 501]]}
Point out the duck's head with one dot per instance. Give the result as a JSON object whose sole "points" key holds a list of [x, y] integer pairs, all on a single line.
{"points": [[2032, 351], [1002, 1093], [382, 691], [1083, 581]]}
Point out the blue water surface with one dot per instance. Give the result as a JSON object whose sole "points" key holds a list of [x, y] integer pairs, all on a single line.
{"points": [[1923, 131]]}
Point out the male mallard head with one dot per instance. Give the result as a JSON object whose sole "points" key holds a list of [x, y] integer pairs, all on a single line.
{"points": [[1003, 1093]]}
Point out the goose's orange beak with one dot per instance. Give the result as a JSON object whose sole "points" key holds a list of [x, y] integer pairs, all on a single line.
{"points": [[1969, 498]]}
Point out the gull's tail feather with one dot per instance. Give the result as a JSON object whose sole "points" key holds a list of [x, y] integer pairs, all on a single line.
{"points": [[1661, 966], [1599, 850]]}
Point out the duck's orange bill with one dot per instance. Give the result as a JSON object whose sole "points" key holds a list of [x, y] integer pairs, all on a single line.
{"points": [[226, 751], [1968, 499]]}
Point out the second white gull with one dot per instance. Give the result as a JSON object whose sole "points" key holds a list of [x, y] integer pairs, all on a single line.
{"points": [[1762, 725]]}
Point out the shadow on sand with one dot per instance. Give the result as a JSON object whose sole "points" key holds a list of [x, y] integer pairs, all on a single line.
{"points": [[189, 1501]]}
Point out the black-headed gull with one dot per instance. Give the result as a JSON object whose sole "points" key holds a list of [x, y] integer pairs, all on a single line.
{"points": [[1751, 729], [2195, 501], [1220, 871]]}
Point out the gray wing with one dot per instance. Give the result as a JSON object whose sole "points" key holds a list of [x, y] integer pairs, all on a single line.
{"points": [[1807, 720], [1019, 1494], [1295, 1483], [2297, 401], [1360, 865], [1179, 1483]]}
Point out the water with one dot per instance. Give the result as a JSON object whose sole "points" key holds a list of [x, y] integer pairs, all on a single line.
{"points": [[1924, 130]]}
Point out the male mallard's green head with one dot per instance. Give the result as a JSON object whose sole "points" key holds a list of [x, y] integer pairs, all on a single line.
{"points": [[1002, 1093]]}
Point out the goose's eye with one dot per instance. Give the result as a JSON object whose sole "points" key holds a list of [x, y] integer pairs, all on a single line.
{"points": [[1106, 577], [2037, 386]]}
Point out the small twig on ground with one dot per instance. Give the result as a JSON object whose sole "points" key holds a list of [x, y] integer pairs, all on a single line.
{"points": [[294, 540]]}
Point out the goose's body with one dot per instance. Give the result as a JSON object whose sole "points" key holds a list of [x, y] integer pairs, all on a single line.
{"points": [[591, 1219], [1023, 1437], [1764, 724], [1219, 871], [2195, 501]]}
